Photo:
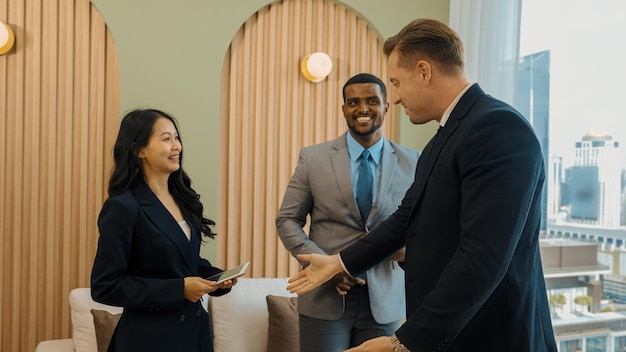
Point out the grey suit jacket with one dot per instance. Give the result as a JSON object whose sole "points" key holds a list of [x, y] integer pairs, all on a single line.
{"points": [[321, 187]]}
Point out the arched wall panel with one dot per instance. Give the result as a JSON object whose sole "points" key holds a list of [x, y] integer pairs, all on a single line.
{"points": [[269, 111], [59, 106]]}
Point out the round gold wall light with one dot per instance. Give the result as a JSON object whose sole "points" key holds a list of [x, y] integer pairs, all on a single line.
{"points": [[7, 39], [316, 66]]}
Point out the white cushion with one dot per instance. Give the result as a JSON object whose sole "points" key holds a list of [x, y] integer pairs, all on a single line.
{"points": [[84, 332], [240, 318], [61, 345]]}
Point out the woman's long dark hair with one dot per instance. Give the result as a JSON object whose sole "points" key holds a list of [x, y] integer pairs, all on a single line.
{"points": [[135, 131]]}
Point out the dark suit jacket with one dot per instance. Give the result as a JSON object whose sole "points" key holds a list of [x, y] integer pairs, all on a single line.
{"points": [[470, 222], [142, 258]]}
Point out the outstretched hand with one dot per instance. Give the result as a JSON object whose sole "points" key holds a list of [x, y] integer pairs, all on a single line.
{"points": [[321, 269]]}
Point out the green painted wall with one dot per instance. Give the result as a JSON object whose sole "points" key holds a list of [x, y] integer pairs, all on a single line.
{"points": [[171, 55]]}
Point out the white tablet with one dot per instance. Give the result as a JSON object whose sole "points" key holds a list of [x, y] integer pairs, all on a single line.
{"points": [[230, 273]]}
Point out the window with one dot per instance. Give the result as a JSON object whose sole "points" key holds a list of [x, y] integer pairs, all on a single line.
{"points": [[571, 87]]}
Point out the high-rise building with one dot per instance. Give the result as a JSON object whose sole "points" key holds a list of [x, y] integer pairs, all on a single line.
{"points": [[596, 181], [553, 186], [532, 99], [623, 220]]}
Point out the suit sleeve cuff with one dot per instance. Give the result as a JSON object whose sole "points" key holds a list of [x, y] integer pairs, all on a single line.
{"points": [[343, 265]]}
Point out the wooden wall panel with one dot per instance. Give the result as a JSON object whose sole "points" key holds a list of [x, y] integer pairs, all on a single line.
{"points": [[59, 106], [269, 111]]}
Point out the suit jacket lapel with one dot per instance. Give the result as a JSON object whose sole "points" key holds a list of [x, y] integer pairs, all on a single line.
{"points": [[194, 247], [431, 153], [162, 219], [388, 168], [341, 167]]}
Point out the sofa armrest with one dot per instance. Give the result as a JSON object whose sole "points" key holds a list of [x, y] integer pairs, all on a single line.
{"points": [[62, 345]]}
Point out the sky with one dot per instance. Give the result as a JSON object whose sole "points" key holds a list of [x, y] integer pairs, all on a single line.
{"points": [[586, 39]]}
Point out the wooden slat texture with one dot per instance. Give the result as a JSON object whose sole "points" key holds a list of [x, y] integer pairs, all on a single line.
{"points": [[270, 111], [31, 187], [59, 106]]}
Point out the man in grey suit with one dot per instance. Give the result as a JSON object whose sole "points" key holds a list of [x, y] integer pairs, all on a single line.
{"points": [[347, 310]]}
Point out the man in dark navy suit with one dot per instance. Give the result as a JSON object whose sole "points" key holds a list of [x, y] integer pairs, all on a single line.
{"points": [[470, 221]]}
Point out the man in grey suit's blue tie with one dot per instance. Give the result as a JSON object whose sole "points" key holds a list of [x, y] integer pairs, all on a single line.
{"points": [[348, 186]]}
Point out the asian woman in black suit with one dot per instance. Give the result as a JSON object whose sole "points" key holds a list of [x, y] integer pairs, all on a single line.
{"points": [[148, 258]]}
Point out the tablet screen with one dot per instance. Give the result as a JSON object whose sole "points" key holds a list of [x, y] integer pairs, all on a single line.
{"points": [[230, 273]]}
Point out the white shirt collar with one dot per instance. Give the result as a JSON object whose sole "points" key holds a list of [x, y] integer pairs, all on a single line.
{"points": [[355, 149], [446, 114]]}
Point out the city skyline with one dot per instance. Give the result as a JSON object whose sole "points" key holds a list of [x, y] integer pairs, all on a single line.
{"points": [[586, 68], [586, 72]]}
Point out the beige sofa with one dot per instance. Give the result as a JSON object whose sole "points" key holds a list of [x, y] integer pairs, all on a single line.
{"points": [[240, 319]]}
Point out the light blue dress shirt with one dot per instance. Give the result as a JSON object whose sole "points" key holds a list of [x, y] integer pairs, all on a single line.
{"points": [[354, 151]]}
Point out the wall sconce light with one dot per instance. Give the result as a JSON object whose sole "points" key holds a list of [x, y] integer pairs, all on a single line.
{"points": [[7, 39], [316, 66]]}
